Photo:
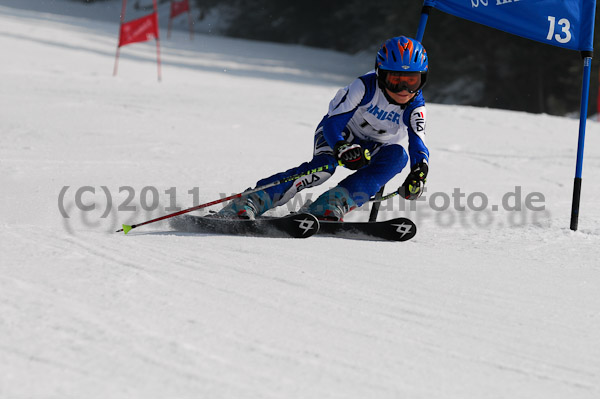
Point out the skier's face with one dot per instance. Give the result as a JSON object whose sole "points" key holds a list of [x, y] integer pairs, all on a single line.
{"points": [[402, 97]]}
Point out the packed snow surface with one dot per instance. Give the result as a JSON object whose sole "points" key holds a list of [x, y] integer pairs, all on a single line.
{"points": [[487, 301]]}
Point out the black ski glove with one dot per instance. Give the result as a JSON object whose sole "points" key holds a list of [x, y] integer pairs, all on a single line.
{"points": [[415, 182], [352, 156]]}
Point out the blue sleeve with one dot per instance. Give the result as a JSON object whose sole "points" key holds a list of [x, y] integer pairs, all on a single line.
{"points": [[333, 127], [414, 118], [417, 149], [344, 105]]}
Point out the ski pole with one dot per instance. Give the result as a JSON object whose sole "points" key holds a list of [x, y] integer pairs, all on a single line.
{"points": [[376, 205], [377, 199], [127, 228]]}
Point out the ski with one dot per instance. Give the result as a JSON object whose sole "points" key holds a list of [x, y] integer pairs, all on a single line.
{"points": [[299, 225], [400, 229]]}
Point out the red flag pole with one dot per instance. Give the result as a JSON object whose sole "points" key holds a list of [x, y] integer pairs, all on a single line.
{"points": [[157, 40], [123, 9], [116, 61]]}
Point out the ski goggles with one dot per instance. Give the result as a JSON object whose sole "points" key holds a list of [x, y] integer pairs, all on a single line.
{"points": [[398, 81]]}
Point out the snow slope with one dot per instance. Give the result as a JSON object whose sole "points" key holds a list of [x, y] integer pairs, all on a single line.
{"points": [[481, 304]]}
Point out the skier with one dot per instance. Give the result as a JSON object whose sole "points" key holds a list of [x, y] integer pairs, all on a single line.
{"points": [[362, 131]]}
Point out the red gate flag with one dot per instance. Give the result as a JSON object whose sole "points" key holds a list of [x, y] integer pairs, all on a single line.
{"points": [[139, 30], [179, 7]]}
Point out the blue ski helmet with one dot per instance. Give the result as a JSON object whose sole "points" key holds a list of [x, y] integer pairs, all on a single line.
{"points": [[402, 54]]}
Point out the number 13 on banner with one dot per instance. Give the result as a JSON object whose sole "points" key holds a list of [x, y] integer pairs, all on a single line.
{"points": [[564, 27], [561, 23]]}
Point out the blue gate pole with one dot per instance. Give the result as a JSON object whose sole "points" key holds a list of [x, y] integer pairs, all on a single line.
{"points": [[423, 21], [585, 93]]}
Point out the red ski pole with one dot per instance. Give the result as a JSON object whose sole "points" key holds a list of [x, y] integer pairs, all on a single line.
{"points": [[127, 228]]}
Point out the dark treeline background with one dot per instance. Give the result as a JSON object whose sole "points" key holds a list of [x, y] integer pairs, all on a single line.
{"points": [[469, 63]]}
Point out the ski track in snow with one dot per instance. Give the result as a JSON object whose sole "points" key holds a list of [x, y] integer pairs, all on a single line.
{"points": [[493, 304]]}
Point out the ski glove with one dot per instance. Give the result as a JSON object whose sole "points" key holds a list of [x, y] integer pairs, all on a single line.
{"points": [[415, 182], [352, 156]]}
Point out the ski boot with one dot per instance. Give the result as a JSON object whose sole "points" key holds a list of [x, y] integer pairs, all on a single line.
{"points": [[331, 205], [247, 206]]}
